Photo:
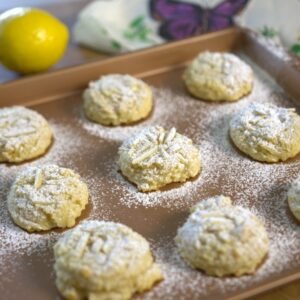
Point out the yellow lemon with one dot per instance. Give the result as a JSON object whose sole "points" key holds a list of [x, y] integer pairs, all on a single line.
{"points": [[31, 40]]}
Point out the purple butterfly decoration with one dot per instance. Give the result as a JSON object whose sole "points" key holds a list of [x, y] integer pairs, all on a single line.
{"points": [[180, 20]]}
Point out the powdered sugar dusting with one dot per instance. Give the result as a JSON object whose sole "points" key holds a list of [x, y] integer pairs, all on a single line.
{"points": [[294, 198], [24, 134], [260, 187], [118, 86], [156, 157], [39, 196], [284, 238], [163, 111], [266, 132], [208, 128], [16, 240], [180, 279], [224, 69]]}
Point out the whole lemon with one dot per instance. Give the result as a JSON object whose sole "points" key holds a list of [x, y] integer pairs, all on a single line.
{"points": [[31, 40]]}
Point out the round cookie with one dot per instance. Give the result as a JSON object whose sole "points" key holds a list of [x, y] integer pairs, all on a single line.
{"points": [[156, 157], [217, 76], [222, 239], [294, 198], [103, 260], [46, 197], [266, 132], [117, 99], [24, 134]]}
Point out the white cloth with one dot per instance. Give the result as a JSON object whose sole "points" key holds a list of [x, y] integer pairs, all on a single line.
{"points": [[282, 16], [123, 25], [104, 25]]}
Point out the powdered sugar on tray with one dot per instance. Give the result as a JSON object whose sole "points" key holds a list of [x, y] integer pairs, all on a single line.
{"points": [[16, 240], [181, 279], [257, 186], [162, 114], [284, 238], [209, 130]]}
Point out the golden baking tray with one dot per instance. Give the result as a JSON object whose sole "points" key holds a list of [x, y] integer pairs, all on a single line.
{"points": [[26, 260]]}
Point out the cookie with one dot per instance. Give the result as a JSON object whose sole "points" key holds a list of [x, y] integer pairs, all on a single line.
{"points": [[221, 239], [266, 132], [217, 76], [156, 157], [42, 198], [24, 134], [103, 260], [117, 99], [294, 198]]}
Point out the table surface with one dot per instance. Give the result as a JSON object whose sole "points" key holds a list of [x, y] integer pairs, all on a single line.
{"points": [[66, 10]]}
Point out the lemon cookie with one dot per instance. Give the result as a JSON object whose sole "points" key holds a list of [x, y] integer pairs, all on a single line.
{"points": [[117, 99], [294, 198], [103, 260], [266, 132], [45, 197], [222, 239], [218, 77], [156, 157], [24, 134]]}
